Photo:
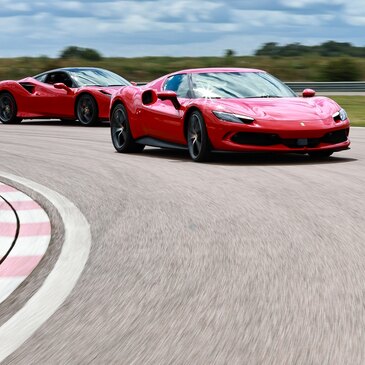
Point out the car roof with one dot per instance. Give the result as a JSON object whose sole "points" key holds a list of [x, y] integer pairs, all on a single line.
{"points": [[74, 69], [70, 69], [217, 69]]}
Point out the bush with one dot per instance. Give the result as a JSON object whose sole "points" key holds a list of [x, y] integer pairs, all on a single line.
{"points": [[341, 69]]}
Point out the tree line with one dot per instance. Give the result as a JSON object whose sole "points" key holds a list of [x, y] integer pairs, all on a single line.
{"points": [[326, 49]]}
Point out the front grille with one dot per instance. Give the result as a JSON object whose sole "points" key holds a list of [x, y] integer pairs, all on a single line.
{"points": [[302, 142], [256, 139], [270, 139]]}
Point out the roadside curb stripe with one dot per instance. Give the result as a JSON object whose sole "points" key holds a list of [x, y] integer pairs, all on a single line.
{"points": [[27, 242], [16, 266], [6, 188], [60, 281], [26, 229]]}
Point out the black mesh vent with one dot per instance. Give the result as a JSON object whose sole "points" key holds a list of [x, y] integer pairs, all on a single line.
{"points": [[256, 139]]}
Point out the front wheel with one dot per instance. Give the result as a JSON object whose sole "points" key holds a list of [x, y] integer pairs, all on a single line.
{"points": [[198, 141], [87, 110], [8, 109], [121, 133], [319, 155]]}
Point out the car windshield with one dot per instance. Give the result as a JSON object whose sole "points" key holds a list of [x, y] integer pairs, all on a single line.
{"points": [[239, 85], [97, 77]]}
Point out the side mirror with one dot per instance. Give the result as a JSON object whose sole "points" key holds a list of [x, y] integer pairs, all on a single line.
{"points": [[61, 86], [169, 95], [308, 93]]}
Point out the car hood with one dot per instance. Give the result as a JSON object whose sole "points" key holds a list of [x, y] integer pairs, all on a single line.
{"points": [[108, 89], [283, 109]]}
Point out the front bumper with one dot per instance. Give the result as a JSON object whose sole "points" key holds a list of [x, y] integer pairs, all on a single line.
{"points": [[287, 136]]}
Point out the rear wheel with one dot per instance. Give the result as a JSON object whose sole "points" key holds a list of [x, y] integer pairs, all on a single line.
{"points": [[198, 141], [8, 109], [320, 154], [121, 133], [87, 110]]}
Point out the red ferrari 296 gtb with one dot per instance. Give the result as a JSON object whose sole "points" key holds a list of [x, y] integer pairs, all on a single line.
{"points": [[226, 109], [81, 93]]}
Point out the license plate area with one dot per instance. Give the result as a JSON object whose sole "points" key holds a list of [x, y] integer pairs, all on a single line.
{"points": [[302, 142]]}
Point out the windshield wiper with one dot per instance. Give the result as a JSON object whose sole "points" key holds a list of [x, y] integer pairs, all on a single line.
{"points": [[262, 96]]}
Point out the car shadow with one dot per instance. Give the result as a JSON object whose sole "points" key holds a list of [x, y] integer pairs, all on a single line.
{"points": [[61, 123], [246, 159]]}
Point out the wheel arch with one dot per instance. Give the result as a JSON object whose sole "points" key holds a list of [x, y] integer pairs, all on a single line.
{"points": [[114, 103], [78, 98], [186, 119], [3, 91], [15, 118]]}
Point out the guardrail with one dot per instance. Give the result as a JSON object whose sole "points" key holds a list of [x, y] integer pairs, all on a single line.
{"points": [[343, 86]]}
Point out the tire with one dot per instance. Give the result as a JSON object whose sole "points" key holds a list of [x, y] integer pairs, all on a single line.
{"points": [[197, 136], [8, 109], [121, 134], [87, 110], [320, 155]]}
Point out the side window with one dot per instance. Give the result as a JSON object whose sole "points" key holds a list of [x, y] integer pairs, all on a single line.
{"points": [[56, 77], [179, 84], [40, 78]]}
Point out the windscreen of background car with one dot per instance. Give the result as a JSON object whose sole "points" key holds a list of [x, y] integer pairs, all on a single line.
{"points": [[97, 77], [238, 85]]}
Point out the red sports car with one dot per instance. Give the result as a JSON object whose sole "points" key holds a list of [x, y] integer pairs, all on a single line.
{"points": [[226, 109], [72, 93]]}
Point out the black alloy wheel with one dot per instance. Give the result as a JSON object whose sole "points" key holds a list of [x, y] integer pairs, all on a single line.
{"points": [[87, 110], [8, 109], [120, 131], [198, 141]]}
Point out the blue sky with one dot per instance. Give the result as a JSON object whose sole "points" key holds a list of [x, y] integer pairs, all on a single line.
{"points": [[174, 27]]}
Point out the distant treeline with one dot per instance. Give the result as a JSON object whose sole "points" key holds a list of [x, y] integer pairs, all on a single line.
{"points": [[326, 49], [330, 61]]}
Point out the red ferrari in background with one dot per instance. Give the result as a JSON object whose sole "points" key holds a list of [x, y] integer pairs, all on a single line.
{"points": [[81, 93], [226, 109]]}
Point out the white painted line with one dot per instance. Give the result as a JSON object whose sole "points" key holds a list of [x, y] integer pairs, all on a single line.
{"points": [[60, 281]]}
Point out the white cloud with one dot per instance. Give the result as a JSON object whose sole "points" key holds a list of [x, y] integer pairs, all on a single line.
{"points": [[180, 27], [11, 5]]}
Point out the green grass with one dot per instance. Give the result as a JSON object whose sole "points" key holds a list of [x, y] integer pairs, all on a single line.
{"points": [[354, 106]]}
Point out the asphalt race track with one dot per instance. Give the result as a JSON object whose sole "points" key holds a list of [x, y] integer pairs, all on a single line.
{"points": [[245, 260]]}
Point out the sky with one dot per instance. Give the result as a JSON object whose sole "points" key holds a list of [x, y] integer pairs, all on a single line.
{"points": [[137, 28]]}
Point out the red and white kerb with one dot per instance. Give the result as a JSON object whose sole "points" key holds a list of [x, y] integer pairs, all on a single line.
{"points": [[25, 233]]}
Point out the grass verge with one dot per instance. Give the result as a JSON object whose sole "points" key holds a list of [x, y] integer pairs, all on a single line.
{"points": [[354, 106]]}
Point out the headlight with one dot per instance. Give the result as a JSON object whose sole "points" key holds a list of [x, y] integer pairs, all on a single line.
{"points": [[235, 118], [340, 115]]}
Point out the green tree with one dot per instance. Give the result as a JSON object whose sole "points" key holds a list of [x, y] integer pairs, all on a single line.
{"points": [[268, 49], [80, 52], [229, 53]]}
